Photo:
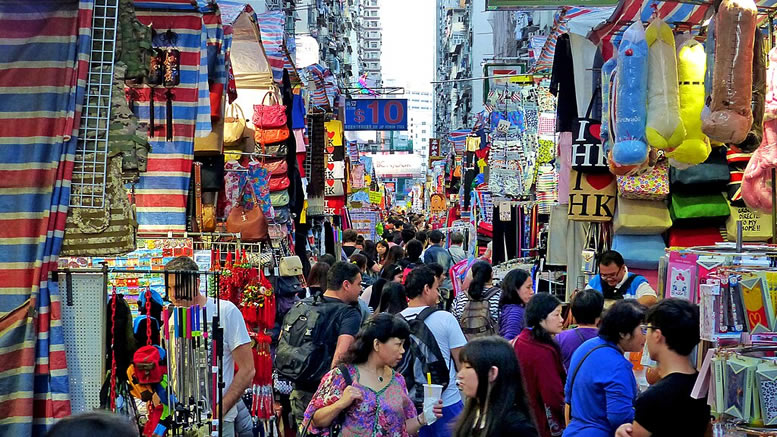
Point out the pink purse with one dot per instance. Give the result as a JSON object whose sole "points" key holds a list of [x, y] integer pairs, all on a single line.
{"points": [[653, 185], [269, 116]]}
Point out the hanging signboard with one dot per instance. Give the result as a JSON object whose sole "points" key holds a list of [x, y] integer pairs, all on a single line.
{"points": [[376, 114], [497, 5], [434, 149]]}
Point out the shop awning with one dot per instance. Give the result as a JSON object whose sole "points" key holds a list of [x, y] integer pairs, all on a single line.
{"points": [[673, 12], [272, 25], [247, 54], [398, 166], [326, 90]]}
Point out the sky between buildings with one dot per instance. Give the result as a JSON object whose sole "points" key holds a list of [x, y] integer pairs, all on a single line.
{"points": [[408, 43]]}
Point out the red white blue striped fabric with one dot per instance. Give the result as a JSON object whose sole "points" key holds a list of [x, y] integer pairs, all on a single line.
{"points": [[44, 57], [272, 27], [162, 190], [458, 138], [326, 91]]}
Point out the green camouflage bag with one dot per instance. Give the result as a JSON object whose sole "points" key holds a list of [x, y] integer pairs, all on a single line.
{"points": [[128, 137], [133, 43]]}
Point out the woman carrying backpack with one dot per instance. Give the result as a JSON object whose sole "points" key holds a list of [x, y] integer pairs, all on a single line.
{"points": [[540, 359], [477, 309], [516, 291], [365, 395], [496, 402]]}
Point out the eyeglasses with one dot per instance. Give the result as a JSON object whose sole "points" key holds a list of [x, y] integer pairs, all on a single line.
{"points": [[610, 275], [645, 328]]}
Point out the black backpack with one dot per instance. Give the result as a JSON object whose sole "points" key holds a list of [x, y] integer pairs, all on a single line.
{"points": [[307, 342], [422, 356]]}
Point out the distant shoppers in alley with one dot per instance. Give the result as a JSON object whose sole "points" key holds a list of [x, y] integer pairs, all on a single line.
{"points": [[666, 408], [382, 248], [540, 360], [436, 253], [496, 401], [601, 388], [365, 394], [477, 309], [332, 339], [615, 281], [395, 256], [408, 233], [517, 290], [456, 250], [421, 289], [587, 307]]}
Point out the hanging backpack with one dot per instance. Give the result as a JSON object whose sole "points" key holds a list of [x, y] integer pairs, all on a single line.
{"points": [[476, 318], [422, 356], [306, 344]]}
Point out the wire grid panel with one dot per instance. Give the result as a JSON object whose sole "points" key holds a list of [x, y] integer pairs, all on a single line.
{"points": [[83, 326], [88, 184]]}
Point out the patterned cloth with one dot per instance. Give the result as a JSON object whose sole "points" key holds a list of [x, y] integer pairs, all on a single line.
{"points": [[379, 414]]}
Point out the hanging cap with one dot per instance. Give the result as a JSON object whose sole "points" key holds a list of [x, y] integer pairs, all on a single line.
{"points": [[155, 297]]}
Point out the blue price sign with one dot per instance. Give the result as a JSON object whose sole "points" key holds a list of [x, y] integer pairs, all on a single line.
{"points": [[376, 114]]}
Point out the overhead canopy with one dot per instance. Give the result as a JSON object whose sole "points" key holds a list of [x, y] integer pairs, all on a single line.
{"points": [[272, 25], [570, 20], [398, 166], [247, 54]]}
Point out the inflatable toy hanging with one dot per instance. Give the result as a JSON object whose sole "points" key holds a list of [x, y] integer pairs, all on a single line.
{"points": [[664, 128], [695, 147], [630, 147], [731, 115], [608, 82]]}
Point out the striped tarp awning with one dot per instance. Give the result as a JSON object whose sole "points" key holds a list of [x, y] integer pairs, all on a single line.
{"points": [[458, 138], [44, 63], [673, 12], [161, 193], [569, 19], [272, 26]]}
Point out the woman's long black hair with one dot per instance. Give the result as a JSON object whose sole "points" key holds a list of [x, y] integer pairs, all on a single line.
{"points": [[382, 326], [393, 298], [482, 273], [511, 283], [386, 276], [538, 309], [506, 393], [394, 255], [385, 244]]}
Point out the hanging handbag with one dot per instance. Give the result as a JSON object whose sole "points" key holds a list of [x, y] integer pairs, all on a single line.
{"points": [[208, 218], [276, 167], [711, 176], [279, 198], [652, 185], [588, 255], [290, 266], [269, 116], [641, 217], [211, 172], [587, 152], [249, 223], [234, 125], [278, 150], [591, 196], [197, 222], [278, 183], [265, 136]]}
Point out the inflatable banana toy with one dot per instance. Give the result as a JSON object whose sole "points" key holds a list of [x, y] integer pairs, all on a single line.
{"points": [[630, 146], [608, 81], [692, 66], [664, 126], [731, 114]]}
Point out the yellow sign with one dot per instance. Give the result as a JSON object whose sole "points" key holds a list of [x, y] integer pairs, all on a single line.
{"points": [[375, 197], [437, 203]]}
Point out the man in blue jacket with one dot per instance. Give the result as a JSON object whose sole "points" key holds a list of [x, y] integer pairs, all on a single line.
{"points": [[615, 281]]}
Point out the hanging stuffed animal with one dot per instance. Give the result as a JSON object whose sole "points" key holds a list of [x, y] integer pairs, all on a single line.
{"points": [[608, 79], [630, 147], [755, 135], [664, 126], [757, 180], [731, 114], [695, 148]]}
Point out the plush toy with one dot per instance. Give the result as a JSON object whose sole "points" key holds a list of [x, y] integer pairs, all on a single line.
{"points": [[624, 170], [630, 146], [770, 112], [664, 126], [755, 135], [731, 114], [608, 81], [695, 148]]}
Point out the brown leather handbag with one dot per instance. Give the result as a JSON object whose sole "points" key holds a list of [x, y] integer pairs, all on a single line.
{"points": [[249, 223]]}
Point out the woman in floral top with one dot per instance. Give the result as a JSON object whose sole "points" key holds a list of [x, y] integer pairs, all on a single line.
{"points": [[377, 403]]}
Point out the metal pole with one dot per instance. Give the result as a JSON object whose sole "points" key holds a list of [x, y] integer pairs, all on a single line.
{"points": [[739, 236]]}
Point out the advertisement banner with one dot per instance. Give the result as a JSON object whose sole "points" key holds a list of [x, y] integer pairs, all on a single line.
{"points": [[376, 114]]}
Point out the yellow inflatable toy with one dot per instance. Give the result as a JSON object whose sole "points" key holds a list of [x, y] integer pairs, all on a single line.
{"points": [[664, 128], [692, 65]]}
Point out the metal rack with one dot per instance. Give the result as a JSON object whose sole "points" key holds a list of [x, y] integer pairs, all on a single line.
{"points": [[88, 185]]}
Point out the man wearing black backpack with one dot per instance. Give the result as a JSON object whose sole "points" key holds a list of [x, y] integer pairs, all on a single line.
{"points": [[442, 340], [317, 332]]}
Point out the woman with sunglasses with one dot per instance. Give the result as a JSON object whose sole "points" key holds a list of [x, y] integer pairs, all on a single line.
{"points": [[601, 389]]}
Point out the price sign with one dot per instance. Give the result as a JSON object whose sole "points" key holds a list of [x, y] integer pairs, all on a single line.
{"points": [[376, 114]]}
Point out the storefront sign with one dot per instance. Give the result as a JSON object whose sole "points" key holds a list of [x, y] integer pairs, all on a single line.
{"points": [[376, 114], [434, 148], [591, 196], [496, 5]]}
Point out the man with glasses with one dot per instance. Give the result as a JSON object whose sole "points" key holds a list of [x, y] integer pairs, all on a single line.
{"points": [[615, 281], [667, 408]]}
